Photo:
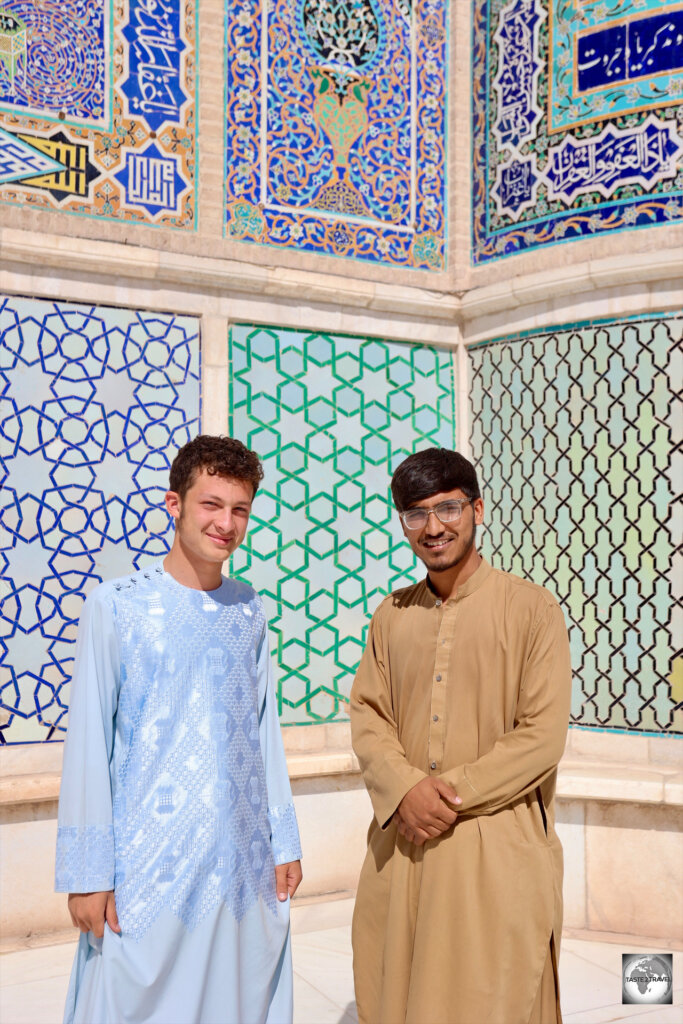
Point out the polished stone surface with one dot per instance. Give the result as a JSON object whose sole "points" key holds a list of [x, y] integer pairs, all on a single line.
{"points": [[33, 981]]}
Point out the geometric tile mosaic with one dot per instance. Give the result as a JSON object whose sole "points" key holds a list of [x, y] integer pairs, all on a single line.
{"points": [[98, 108], [577, 437], [331, 416], [93, 403], [577, 120], [336, 128]]}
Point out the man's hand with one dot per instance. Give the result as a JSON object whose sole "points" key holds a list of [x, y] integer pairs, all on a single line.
{"points": [[89, 911], [423, 813], [287, 879]]}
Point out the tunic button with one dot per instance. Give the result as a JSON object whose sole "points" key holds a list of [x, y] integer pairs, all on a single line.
{"points": [[436, 718], [433, 764], [438, 679], [438, 603]]}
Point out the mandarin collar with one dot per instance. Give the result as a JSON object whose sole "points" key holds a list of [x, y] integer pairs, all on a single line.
{"points": [[478, 577]]}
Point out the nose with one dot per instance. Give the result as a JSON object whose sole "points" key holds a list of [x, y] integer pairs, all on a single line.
{"points": [[433, 526], [224, 520]]}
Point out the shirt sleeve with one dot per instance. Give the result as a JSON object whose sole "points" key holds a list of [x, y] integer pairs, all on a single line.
{"points": [[387, 773], [523, 758], [85, 835], [284, 834]]}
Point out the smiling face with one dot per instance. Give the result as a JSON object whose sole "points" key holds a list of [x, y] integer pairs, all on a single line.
{"points": [[211, 519], [443, 546]]}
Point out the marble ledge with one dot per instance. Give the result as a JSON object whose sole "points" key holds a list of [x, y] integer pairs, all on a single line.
{"points": [[198, 273], [576, 781], [588, 276], [38, 787], [619, 783], [161, 268], [42, 787]]}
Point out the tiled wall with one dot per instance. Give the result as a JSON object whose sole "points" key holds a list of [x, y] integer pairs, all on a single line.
{"points": [[576, 432], [336, 128], [98, 108], [93, 401], [331, 416], [577, 120]]}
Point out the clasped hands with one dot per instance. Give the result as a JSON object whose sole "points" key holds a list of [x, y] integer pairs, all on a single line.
{"points": [[425, 811]]}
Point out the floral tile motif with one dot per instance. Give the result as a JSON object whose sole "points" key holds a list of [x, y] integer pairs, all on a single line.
{"points": [[98, 108], [331, 416], [575, 432], [336, 128], [92, 401], [577, 120]]}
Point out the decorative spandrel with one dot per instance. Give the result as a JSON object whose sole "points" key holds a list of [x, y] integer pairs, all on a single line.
{"points": [[336, 128], [577, 120], [331, 416], [94, 401], [575, 434], [98, 108]]}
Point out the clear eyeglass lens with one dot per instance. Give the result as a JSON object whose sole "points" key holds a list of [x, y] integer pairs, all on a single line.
{"points": [[447, 512]]}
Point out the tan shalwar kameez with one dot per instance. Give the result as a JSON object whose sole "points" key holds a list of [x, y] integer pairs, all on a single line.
{"points": [[475, 691]]}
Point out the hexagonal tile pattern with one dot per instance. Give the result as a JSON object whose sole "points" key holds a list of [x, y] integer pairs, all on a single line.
{"points": [[576, 432], [93, 404], [331, 416]]}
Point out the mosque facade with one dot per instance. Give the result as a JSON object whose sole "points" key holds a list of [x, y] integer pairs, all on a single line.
{"points": [[343, 232]]}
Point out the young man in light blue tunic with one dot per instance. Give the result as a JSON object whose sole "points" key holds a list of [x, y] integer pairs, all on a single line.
{"points": [[177, 841]]}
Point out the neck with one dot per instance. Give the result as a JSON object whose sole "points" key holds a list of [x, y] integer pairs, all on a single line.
{"points": [[191, 572], [446, 582]]}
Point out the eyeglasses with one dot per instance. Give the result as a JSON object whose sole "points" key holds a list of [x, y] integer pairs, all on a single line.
{"points": [[445, 512]]}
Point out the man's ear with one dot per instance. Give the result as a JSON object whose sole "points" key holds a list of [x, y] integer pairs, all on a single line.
{"points": [[478, 506], [173, 505]]}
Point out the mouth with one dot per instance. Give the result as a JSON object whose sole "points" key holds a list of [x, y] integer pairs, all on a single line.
{"points": [[437, 545], [222, 542]]}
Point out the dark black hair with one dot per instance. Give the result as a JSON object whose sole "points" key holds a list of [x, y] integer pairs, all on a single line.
{"points": [[430, 472], [221, 456]]}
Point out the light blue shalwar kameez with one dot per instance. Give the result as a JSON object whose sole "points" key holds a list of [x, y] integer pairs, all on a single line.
{"points": [[175, 794]]}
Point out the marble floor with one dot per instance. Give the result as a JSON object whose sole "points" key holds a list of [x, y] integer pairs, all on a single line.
{"points": [[33, 981]]}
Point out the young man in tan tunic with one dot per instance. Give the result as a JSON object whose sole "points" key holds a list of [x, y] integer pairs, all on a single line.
{"points": [[459, 715]]}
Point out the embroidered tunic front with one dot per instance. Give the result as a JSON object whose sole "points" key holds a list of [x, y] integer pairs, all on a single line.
{"points": [[175, 794]]}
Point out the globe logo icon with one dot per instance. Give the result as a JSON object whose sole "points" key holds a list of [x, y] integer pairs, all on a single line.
{"points": [[647, 979]]}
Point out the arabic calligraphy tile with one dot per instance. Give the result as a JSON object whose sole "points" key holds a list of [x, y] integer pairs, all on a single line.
{"points": [[117, 78], [613, 158], [19, 159], [152, 181], [153, 88], [516, 185], [604, 157], [517, 37]]}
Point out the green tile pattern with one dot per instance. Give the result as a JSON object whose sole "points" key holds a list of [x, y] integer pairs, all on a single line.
{"points": [[331, 416], [575, 433]]}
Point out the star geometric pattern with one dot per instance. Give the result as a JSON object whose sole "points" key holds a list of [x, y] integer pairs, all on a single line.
{"points": [[331, 417], [93, 403], [575, 433]]}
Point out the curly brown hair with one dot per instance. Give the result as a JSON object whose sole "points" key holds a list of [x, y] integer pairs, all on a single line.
{"points": [[222, 456]]}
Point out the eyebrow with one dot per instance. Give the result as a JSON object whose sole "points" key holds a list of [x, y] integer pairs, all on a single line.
{"points": [[216, 497]]}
